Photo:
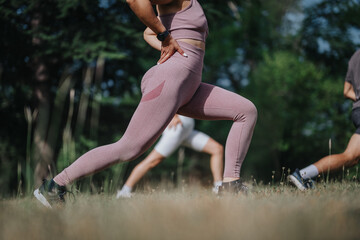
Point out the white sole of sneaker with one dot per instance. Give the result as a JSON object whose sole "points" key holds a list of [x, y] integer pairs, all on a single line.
{"points": [[41, 198], [296, 182]]}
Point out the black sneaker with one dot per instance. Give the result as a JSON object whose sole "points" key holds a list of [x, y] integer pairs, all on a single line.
{"points": [[302, 184], [309, 183], [233, 187], [50, 193]]}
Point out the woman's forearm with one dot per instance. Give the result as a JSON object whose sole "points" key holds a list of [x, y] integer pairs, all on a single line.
{"points": [[144, 11], [150, 38]]}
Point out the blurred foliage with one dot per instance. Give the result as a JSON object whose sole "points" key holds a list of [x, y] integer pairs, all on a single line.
{"points": [[299, 106], [330, 33], [294, 76]]}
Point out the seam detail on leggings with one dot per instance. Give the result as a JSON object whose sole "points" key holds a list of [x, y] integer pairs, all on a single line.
{"points": [[238, 162], [153, 93]]}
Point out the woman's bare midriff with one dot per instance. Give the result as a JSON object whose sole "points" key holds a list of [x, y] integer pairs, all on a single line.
{"points": [[196, 43]]}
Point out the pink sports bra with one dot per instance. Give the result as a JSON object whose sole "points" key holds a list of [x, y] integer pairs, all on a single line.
{"points": [[189, 22]]}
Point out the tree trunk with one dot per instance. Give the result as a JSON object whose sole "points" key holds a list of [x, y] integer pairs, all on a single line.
{"points": [[42, 150], [95, 112], [84, 102]]}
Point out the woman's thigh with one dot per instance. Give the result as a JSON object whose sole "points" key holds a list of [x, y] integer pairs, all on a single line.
{"points": [[214, 103]]}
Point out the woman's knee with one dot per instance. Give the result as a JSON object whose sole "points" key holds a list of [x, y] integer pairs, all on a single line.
{"points": [[127, 150], [248, 111], [212, 147], [252, 111]]}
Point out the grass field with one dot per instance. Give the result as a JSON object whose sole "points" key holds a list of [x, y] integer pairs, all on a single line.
{"points": [[268, 212]]}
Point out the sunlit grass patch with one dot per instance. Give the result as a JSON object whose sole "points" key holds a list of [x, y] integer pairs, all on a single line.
{"points": [[268, 212]]}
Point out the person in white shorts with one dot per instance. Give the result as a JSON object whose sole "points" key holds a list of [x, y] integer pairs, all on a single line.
{"points": [[180, 132]]}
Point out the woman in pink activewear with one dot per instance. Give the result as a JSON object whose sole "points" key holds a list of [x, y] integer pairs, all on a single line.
{"points": [[172, 86]]}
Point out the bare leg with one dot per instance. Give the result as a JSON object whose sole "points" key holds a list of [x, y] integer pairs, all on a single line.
{"points": [[216, 150], [348, 158], [152, 160]]}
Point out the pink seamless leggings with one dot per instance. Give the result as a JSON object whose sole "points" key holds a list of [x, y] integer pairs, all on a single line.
{"points": [[174, 87]]}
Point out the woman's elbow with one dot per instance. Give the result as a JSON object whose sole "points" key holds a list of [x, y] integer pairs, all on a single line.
{"points": [[145, 34], [130, 2], [146, 38]]}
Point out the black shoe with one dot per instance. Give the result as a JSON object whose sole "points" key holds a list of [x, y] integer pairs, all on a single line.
{"points": [[302, 184], [50, 193], [234, 187]]}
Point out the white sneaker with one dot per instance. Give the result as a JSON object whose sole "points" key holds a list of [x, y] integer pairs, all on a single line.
{"points": [[123, 194], [215, 189]]}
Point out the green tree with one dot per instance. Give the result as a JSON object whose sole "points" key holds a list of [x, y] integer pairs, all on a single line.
{"points": [[298, 109], [330, 33], [46, 45]]}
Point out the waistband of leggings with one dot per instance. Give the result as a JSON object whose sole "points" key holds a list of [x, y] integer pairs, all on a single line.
{"points": [[188, 47]]}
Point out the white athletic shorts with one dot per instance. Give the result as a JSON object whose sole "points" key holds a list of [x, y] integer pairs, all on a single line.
{"points": [[184, 135]]}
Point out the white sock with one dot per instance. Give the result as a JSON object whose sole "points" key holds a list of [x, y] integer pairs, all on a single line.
{"points": [[217, 183], [309, 172], [126, 189]]}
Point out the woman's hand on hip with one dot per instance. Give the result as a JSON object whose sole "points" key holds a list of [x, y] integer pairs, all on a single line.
{"points": [[174, 122], [168, 48]]}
